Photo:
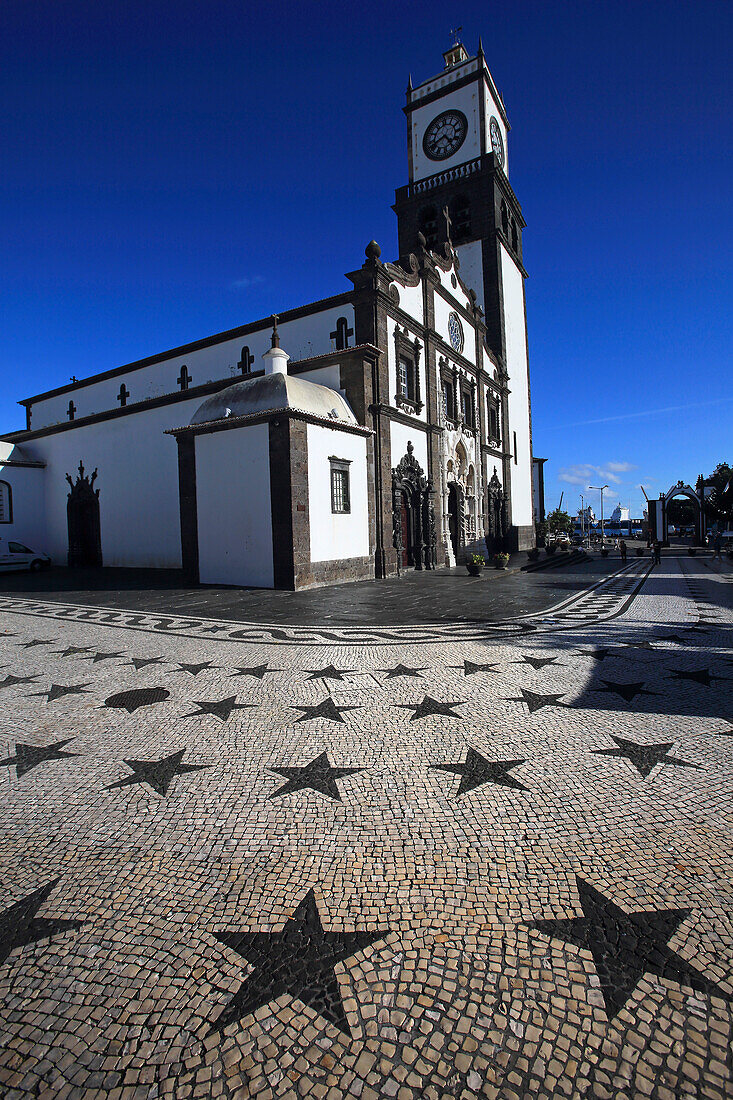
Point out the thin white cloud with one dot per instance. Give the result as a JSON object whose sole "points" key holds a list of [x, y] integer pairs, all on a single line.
{"points": [[247, 281], [583, 473], [642, 414]]}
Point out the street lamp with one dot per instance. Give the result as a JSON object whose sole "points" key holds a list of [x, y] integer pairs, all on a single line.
{"points": [[601, 487]]}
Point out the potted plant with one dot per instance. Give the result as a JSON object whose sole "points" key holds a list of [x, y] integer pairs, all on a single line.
{"points": [[534, 553], [551, 548], [501, 560], [475, 565], [564, 545]]}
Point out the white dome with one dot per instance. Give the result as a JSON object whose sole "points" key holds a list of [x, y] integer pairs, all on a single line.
{"points": [[271, 392]]}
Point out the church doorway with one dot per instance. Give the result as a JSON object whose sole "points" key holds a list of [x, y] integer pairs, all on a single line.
{"points": [[413, 515], [82, 516], [454, 523]]}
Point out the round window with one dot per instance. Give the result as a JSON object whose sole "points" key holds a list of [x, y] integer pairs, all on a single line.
{"points": [[455, 331]]}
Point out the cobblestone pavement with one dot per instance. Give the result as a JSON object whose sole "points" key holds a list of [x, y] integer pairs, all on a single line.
{"points": [[475, 863]]}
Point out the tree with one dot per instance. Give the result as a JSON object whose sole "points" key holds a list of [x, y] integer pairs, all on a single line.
{"points": [[718, 489], [559, 523], [681, 512]]}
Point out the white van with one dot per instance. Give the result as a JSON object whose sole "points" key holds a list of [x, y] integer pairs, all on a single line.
{"points": [[16, 555]]}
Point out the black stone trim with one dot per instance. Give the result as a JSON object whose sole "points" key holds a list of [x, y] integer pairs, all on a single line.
{"points": [[416, 101], [281, 504], [261, 325], [27, 465], [268, 414], [188, 508]]}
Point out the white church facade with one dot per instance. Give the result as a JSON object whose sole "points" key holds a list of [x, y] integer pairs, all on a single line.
{"points": [[382, 429]]}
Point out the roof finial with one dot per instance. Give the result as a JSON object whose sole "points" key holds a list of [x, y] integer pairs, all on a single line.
{"points": [[409, 83], [456, 32], [480, 47], [275, 335]]}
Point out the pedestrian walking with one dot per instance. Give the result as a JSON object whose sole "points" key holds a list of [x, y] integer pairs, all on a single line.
{"points": [[657, 547], [717, 547], [622, 551]]}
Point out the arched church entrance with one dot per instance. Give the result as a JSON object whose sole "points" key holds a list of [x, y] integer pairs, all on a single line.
{"points": [[82, 516], [413, 515], [495, 516]]}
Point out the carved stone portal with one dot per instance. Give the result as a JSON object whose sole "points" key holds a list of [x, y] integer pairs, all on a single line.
{"points": [[413, 515], [82, 513], [496, 516]]}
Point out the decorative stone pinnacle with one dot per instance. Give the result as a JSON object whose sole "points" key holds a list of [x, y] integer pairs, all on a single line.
{"points": [[275, 336]]}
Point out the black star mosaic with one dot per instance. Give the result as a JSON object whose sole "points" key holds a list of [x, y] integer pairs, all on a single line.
{"points": [[625, 691], [697, 676], [403, 670], [143, 662], [37, 641], [258, 671], [470, 668], [329, 673], [536, 700], [325, 709], [19, 924], [598, 654], [72, 650], [28, 757], [318, 775], [537, 662], [220, 708], [105, 655], [636, 645], [430, 706], [644, 757], [624, 946], [158, 774], [195, 669], [11, 681], [137, 697], [299, 960], [57, 691], [477, 770]]}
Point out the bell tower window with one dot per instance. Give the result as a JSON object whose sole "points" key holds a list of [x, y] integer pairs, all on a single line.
{"points": [[460, 214], [429, 226]]}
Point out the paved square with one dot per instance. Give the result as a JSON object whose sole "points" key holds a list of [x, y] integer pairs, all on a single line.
{"points": [[488, 860]]}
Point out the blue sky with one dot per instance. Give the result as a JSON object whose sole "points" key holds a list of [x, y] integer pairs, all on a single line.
{"points": [[174, 169]]}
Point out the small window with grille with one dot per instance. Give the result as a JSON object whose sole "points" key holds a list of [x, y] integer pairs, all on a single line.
{"points": [[340, 488]]}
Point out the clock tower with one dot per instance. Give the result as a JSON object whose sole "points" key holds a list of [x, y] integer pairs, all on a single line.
{"points": [[458, 158]]}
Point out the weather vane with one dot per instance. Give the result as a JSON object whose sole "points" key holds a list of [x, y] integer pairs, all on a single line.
{"points": [[455, 31]]}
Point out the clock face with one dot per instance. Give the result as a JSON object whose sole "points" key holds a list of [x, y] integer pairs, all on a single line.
{"points": [[445, 135], [455, 331], [496, 141]]}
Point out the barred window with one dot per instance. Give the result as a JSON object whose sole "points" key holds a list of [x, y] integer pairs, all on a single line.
{"points": [[6, 503], [404, 378], [340, 489], [467, 408], [448, 409]]}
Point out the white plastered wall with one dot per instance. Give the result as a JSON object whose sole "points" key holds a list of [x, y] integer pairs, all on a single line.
{"points": [[27, 486], [517, 367], [400, 435], [443, 310], [410, 299], [336, 537], [233, 503], [137, 482], [471, 269]]}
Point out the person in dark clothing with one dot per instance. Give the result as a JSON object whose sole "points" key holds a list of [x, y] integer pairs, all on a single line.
{"points": [[657, 547], [622, 551]]}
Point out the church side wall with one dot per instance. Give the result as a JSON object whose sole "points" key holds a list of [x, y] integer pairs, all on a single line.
{"points": [[343, 535], [517, 366], [233, 501], [303, 338], [137, 482], [28, 524]]}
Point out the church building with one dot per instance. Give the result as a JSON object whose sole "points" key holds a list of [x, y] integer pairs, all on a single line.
{"points": [[386, 428]]}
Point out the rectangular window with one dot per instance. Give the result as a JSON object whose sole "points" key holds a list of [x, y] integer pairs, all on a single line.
{"points": [[515, 447], [493, 420], [6, 505], [340, 490], [404, 378], [467, 408]]}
